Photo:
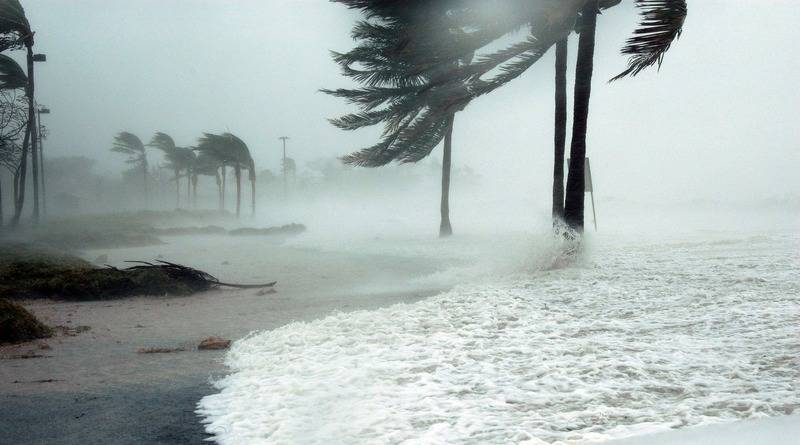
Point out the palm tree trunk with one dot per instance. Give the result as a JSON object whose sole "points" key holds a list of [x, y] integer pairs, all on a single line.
{"points": [[177, 189], [237, 170], [194, 191], [219, 187], [224, 180], [573, 208], [253, 194], [445, 229], [560, 130], [188, 188], [144, 178], [20, 175]]}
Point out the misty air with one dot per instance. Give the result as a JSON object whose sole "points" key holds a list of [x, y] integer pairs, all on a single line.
{"points": [[533, 222]]}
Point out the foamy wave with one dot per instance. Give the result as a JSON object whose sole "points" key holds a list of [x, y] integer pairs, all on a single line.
{"points": [[637, 341]]}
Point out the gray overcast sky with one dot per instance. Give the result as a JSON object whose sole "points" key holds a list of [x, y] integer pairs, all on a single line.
{"points": [[720, 119]]}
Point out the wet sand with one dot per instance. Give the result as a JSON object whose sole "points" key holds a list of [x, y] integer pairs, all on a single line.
{"points": [[95, 388]]}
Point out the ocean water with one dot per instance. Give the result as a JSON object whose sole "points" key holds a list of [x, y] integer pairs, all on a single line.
{"points": [[640, 335]]}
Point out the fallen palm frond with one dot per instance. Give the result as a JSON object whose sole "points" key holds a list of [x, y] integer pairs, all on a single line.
{"points": [[187, 274], [43, 274]]}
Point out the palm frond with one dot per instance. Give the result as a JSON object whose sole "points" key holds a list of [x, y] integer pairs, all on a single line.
{"points": [[12, 76], [15, 30], [163, 142], [661, 24], [129, 143]]}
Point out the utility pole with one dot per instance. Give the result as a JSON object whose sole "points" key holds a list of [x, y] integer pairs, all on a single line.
{"points": [[34, 134], [283, 165], [39, 112]]}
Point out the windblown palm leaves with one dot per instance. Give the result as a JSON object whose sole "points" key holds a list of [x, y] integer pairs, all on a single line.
{"points": [[12, 76], [15, 31], [662, 24], [129, 144]]}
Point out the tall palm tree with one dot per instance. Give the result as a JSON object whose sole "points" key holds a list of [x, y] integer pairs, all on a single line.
{"points": [[130, 144], [207, 165], [186, 159], [574, 201], [166, 144], [661, 24], [412, 128], [232, 152], [179, 159], [560, 133]]}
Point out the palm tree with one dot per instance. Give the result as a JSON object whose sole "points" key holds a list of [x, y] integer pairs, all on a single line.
{"points": [[393, 75], [166, 144], [560, 139], [207, 165], [130, 144], [574, 201], [233, 152], [661, 24], [186, 159], [179, 160]]}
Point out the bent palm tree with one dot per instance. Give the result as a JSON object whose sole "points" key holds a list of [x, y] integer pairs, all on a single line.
{"points": [[179, 159], [233, 152], [207, 164], [393, 75], [129, 144]]}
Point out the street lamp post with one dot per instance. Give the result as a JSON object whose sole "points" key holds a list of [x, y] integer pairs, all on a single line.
{"points": [[40, 111], [35, 150], [283, 165]]}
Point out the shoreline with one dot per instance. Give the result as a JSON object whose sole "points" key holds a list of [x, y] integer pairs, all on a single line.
{"points": [[93, 387]]}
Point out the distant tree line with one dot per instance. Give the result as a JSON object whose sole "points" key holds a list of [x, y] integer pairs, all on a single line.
{"points": [[213, 155]]}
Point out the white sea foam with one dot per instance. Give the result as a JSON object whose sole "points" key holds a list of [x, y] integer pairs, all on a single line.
{"points": [[639, 338]]}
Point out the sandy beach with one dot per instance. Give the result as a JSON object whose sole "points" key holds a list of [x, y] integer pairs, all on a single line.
{"points": [[94, 387]]}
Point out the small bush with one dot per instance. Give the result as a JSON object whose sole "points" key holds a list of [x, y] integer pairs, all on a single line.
{"points": [[18, 325]]}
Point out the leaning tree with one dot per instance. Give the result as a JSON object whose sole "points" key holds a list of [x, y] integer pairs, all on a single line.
{"points": [[232, 152], [179, 159], [390, 78], [129, 144], [207, 164]]}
